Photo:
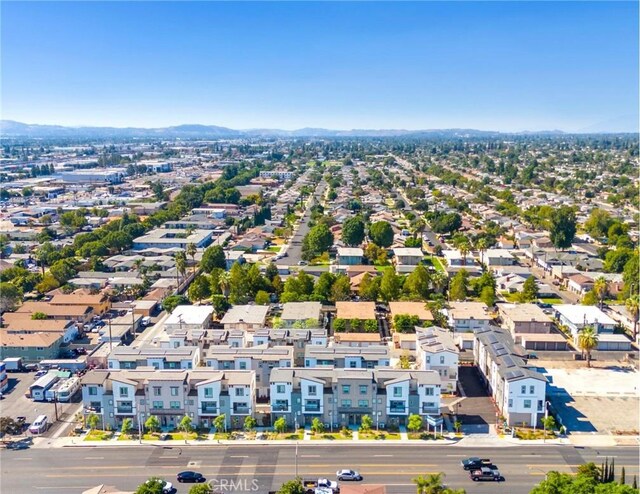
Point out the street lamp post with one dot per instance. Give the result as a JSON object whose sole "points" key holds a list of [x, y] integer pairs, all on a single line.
{"points": [[296, 461]]}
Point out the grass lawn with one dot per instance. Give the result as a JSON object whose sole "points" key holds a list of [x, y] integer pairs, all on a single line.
{"points": [[378, 436], [551, 300], [293, 436], [191, 436], [274, 248], [331, 436], [530, 434], [510, 297], [127, 437], [423, 436], [97, 435], [437, 263]]}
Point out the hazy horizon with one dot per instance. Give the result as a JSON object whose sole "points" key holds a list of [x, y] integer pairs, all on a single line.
{"points": [[507, 67]]}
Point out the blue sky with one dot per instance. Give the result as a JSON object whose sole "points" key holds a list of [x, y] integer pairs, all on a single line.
{"points": [[501, 66]]}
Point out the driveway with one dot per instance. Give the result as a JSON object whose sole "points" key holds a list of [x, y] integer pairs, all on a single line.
{"points": [[477, 411]]}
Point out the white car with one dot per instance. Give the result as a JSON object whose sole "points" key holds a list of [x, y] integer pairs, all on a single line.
{"points": [[348, 475], [167, 487]]}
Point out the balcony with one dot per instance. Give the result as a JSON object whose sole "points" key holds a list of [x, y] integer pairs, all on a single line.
{"points": [[241, 410], [311, 406], [280, 407], [124, 409], [208, 410], [397, 407]]}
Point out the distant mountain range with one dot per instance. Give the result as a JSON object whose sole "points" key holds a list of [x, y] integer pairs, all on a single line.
{"points": [[10, 128]]}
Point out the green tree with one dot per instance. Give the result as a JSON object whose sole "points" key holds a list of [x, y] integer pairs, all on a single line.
{"points": [[529, 290], [201, 489], [369, 287], [339, 325], [250, 423], [598, 223], [548, 422], [63, 270], [631, 275], [292, 487], [562, 227], [488, 295], [416, 286], [262, 298], [353, 231], [213, 257], [366, 423], [405, 323], [280, 425], [459, 287], [371, 326], [390, 285], [199, 289], [616, 260], [220, 423], [322, 288], [601, 290], [181, 264], [415, 423], [239, 288], [381, 234], [632, 304], [172, 301], [317, 427], [341, 289], [152, 486], [127, 425], [588, 341], [93, 421], [317, 241], [10, 296], [191, 251], [152, 424], [186, 425]]}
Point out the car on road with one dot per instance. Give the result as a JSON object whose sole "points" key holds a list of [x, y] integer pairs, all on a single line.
{"points": [[474, 463], [486, 473], [348, 475], [189, 476], [167, 487], [302, 263]]}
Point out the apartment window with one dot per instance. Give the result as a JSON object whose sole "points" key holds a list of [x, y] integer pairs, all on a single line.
{"points": [[523, 390], [527, 403], [428, 391], [158, 404], [346, 388], [242, 365], [39, 348], [532, 390], [352, 364], [346, 403], [239, 391], [157, 391], [428, 359], [174, 404], [174, 390], [442, 360], [208, 392], [510, 402], [363, 403], [93, 390], [124, 392], [539, 405], [280, 388], [312, 390], [397, 391], [363, 389]]}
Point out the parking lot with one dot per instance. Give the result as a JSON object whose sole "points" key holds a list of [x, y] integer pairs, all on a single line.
{"points": [[604, 399], [16, 404], [476, 412]]}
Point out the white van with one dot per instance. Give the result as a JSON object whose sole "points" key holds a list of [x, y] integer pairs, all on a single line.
{"points": [[146, 321], [39, 425]]}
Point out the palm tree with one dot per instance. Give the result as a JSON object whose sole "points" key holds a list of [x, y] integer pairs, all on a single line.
{"points": [[482, 245], [181, 264], [434, 483], [600, 288], [421, 483], [191, 252], [588, 341], [137, 264], [462, 244], [225, 282], [633, 306], [439, 280]]}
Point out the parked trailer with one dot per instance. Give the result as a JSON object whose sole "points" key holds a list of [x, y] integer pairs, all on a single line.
{"points": [[13, 364], [68, 388], [51, 394], [73, 365], [39, 388]]}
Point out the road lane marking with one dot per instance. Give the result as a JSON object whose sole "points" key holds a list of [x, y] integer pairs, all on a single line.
{"points": [[239, 456], [22, 459], [94, 457], [382, 456], [309, 456]]}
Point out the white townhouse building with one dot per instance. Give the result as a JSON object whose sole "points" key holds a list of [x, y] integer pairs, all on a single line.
{"points": [[436, 350]]}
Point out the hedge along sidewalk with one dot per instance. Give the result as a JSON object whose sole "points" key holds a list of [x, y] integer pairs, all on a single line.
{"points": [[63, 442]]}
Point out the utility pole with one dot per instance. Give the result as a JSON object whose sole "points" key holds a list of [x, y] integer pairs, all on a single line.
{"points": [[110, 340], [296, 459]]}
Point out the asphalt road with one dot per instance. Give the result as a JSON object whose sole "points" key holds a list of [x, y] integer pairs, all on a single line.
{"points": [[260, 468], [294, 251]]}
